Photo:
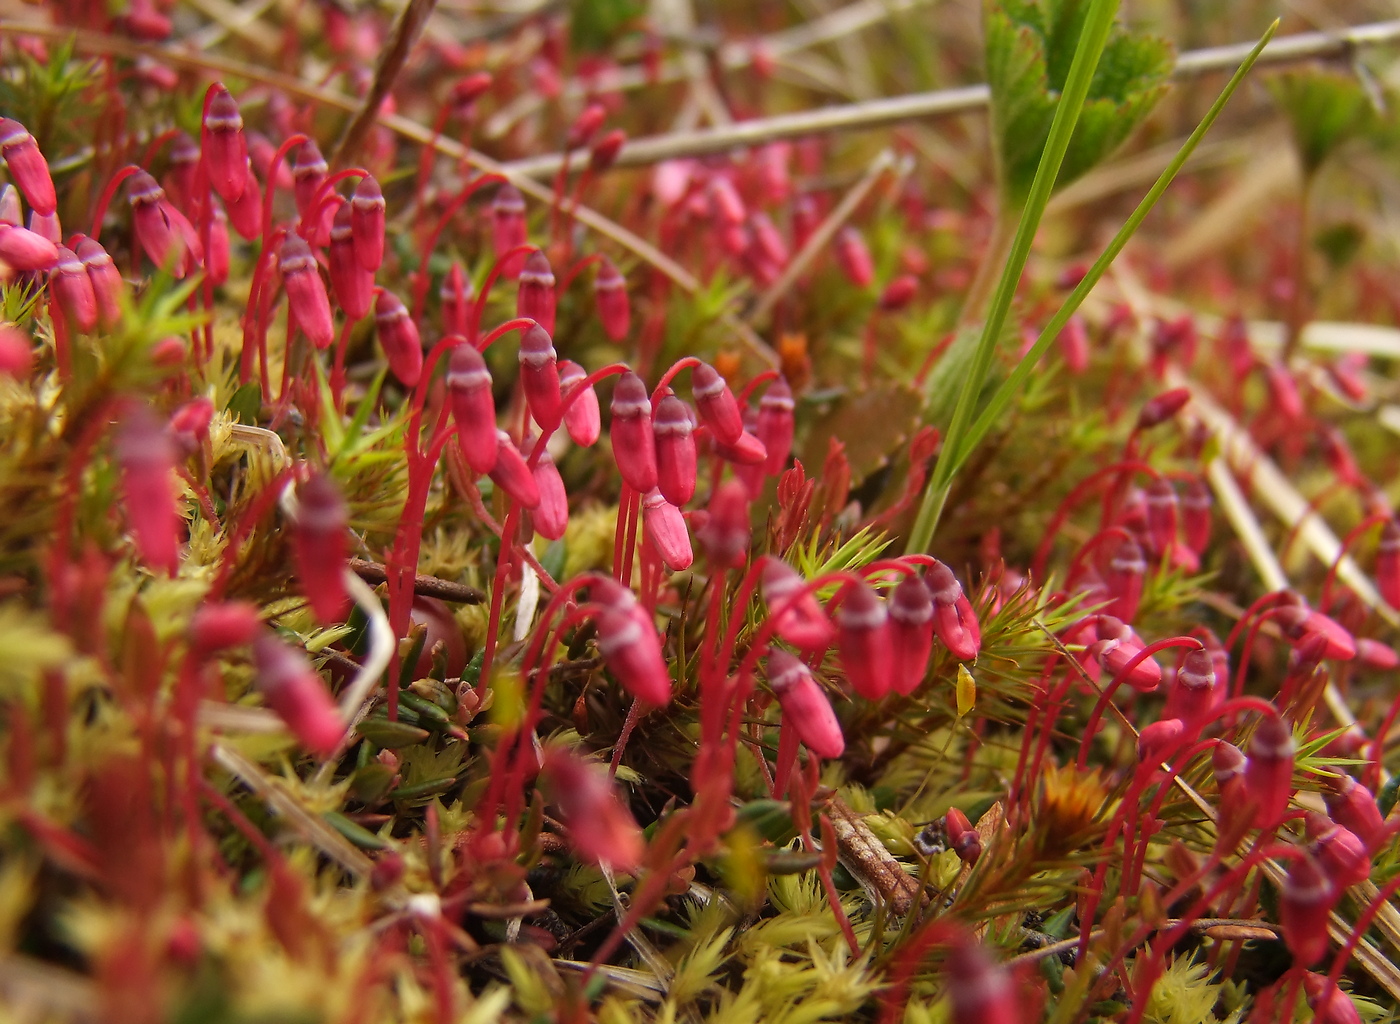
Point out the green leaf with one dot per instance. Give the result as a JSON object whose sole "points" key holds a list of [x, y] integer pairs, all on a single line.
{"points": [[246, 403], [1324, 110], [389, 734]]}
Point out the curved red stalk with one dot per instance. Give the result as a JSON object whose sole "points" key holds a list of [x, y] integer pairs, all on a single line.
{"points": [[1091, 727]]}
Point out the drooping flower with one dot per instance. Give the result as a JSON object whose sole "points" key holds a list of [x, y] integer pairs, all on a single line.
{"points": [[473, 407], [1306, 897], [539, 374], [632, 651], [954, 621], [1116, 646], [676, 461], [805, 706], [108, 288], [223, 145], [776, 425], [1351, 805], [28, 169], [718, 408], [726, 532], [601, 829], [1268, 773], [147, 459], [73, 289], [801, 621], [582, 418], [352, 284], [551, 515], [293, 690], [866, 641], [535, 298], [633, 444], [367, 223], [508, 227], [911, 625], [614, 306], [398, 337], [306, 292], [320, 547], [666, 531]]}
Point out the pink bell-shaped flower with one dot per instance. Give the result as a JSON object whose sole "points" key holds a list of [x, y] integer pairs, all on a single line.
{"points": [[911, 624], [1195, 690], [512, 475], [632, 651], [456, 295], [1299, 622], [73, 289], [293, 690], [1329, 1004], [473, 407], [551, 516], [1268, 775], [726, 531], [25, 250], [805, 706], [866, 641], [1339, 851], [535, 299], [853, 257], [1117, 645], [539, 373], [1306, 898], [245, 212], [47, 226], [601, 828], [634, 447], [223, 145], [954, 621], [367, 223], [676, 465], [146, 457], [666, 532], [1124, 578], [352, 284], [508, 228], [801, 622], [582, 418], [320, 547], [108, 288], [306, 292], [398, 337], [165, 234], [718, 408], [776, 425], [28, 169], [614, 306], [1162, 508], [309, 172], [1352, 806]]}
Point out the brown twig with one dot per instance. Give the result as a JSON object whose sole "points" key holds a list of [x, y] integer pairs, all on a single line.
{"points": [[374, 574]]}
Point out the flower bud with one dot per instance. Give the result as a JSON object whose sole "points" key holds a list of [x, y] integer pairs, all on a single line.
{"points": [[147, 457], [1160, 740], [512, 475], [605, 152], [473, 407], [108, 288], [582, 418], [634, 447], [10, 211], [718, 408], [224, 147], [306, 292], [245, 212], [776, 425], [218, 625], [585, 126], [1163, 407], [28, 169], [551, 516], [726, 532], [1228, 764], [1352, 806], [25, 251], [1116, 646], [676, 466], [293, 690], [1195, 690], [1161, 515], [632, 651], [601, 828], [1306, 897], [16, 353], [980, 989], [47, 226], [398, 337], [320, 548], [352, 284], [1388, 563], [911, 625], [1195, 515], [1375, 655], [1124, 579], [162, 239], [189, 424], [1298, 622], [954, 621], [899, 293], [535, 298], [801, 621], [508, 227], [745, 453], [456, 295], [726, 206], [309, 173], [73, 290], [1268, 774], [1339, 851], [866, 641], [367, 223], [539, 373], [805, 706], [666, 531], [184, 166], [614, 306], [1330, 1005], [962, 837], [853, 257]]}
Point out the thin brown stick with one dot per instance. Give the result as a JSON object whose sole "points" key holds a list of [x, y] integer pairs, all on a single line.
{"points": [[428, 586]]}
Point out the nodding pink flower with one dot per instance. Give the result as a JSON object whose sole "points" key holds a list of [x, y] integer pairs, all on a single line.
{"points": [[1195, 515], [725, 205], [16, 353], [1117, 645], [146, 456], [26, 251], [1160, 740], [1124, 579], [1329, 1004], [632, 651], [1163, 407], [224, 146], [1346, 372], [219, 625], [911, 623], [352, 284], [160, 234], [551, 515], [666, 530], [582, 419], [605, 152], [108, 288], [508, 227], [1298, 622], [614, 306], [1338, 454], [189, 424], [320, 547], [293, 690], [46, 225], [1161, 515], [28, 169], [539, 373], [676, 466], [805, 706], [456, 294], [1388, 563], [143, 22], [746, 451], [601, 828], [1375, 655], [1339, 851], [866, 641], [726, 531], [953, 618], [473, 407], [1195, 689], [853, 257], [1283, 390], [10, 211], [979, 988], [367, 223], [806, 218], [184, 166], [306, 292], [585, 126], [899, 293], [309, 172], [718, 408], [535, 298], [245, 212], [1306, 897], [73, 290], [804, 623], [767, 241], [1268, 775], [512, 475], [467, 91], [398, 337], [962, 837], [1351, 805], [776, 424], [1073, 341], [1228, 764], [634, 447], [218, 255]]}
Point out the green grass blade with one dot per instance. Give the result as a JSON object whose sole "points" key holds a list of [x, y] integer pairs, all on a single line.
{"points": [[1004, 395], [1097, 27]]}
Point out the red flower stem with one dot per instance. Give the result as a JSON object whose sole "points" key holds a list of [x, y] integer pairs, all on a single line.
{"points": [[1178, 764], [629, 549], [1091, 545], [1081, 491], [628, 724], [242, 527], [338, 368], [424, 275], [577, 268], [479, 306], [1354, 534], [1082, 762], [322, 196], [1259, 605], [1237, 687], [428, 154], [685, 362], [105, 200], [758, 379], [268, 193], [787, 758], [493, 623]]}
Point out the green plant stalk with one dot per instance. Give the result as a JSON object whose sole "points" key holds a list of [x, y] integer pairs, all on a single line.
{"points": [[1097, 27], [997, 405]]}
